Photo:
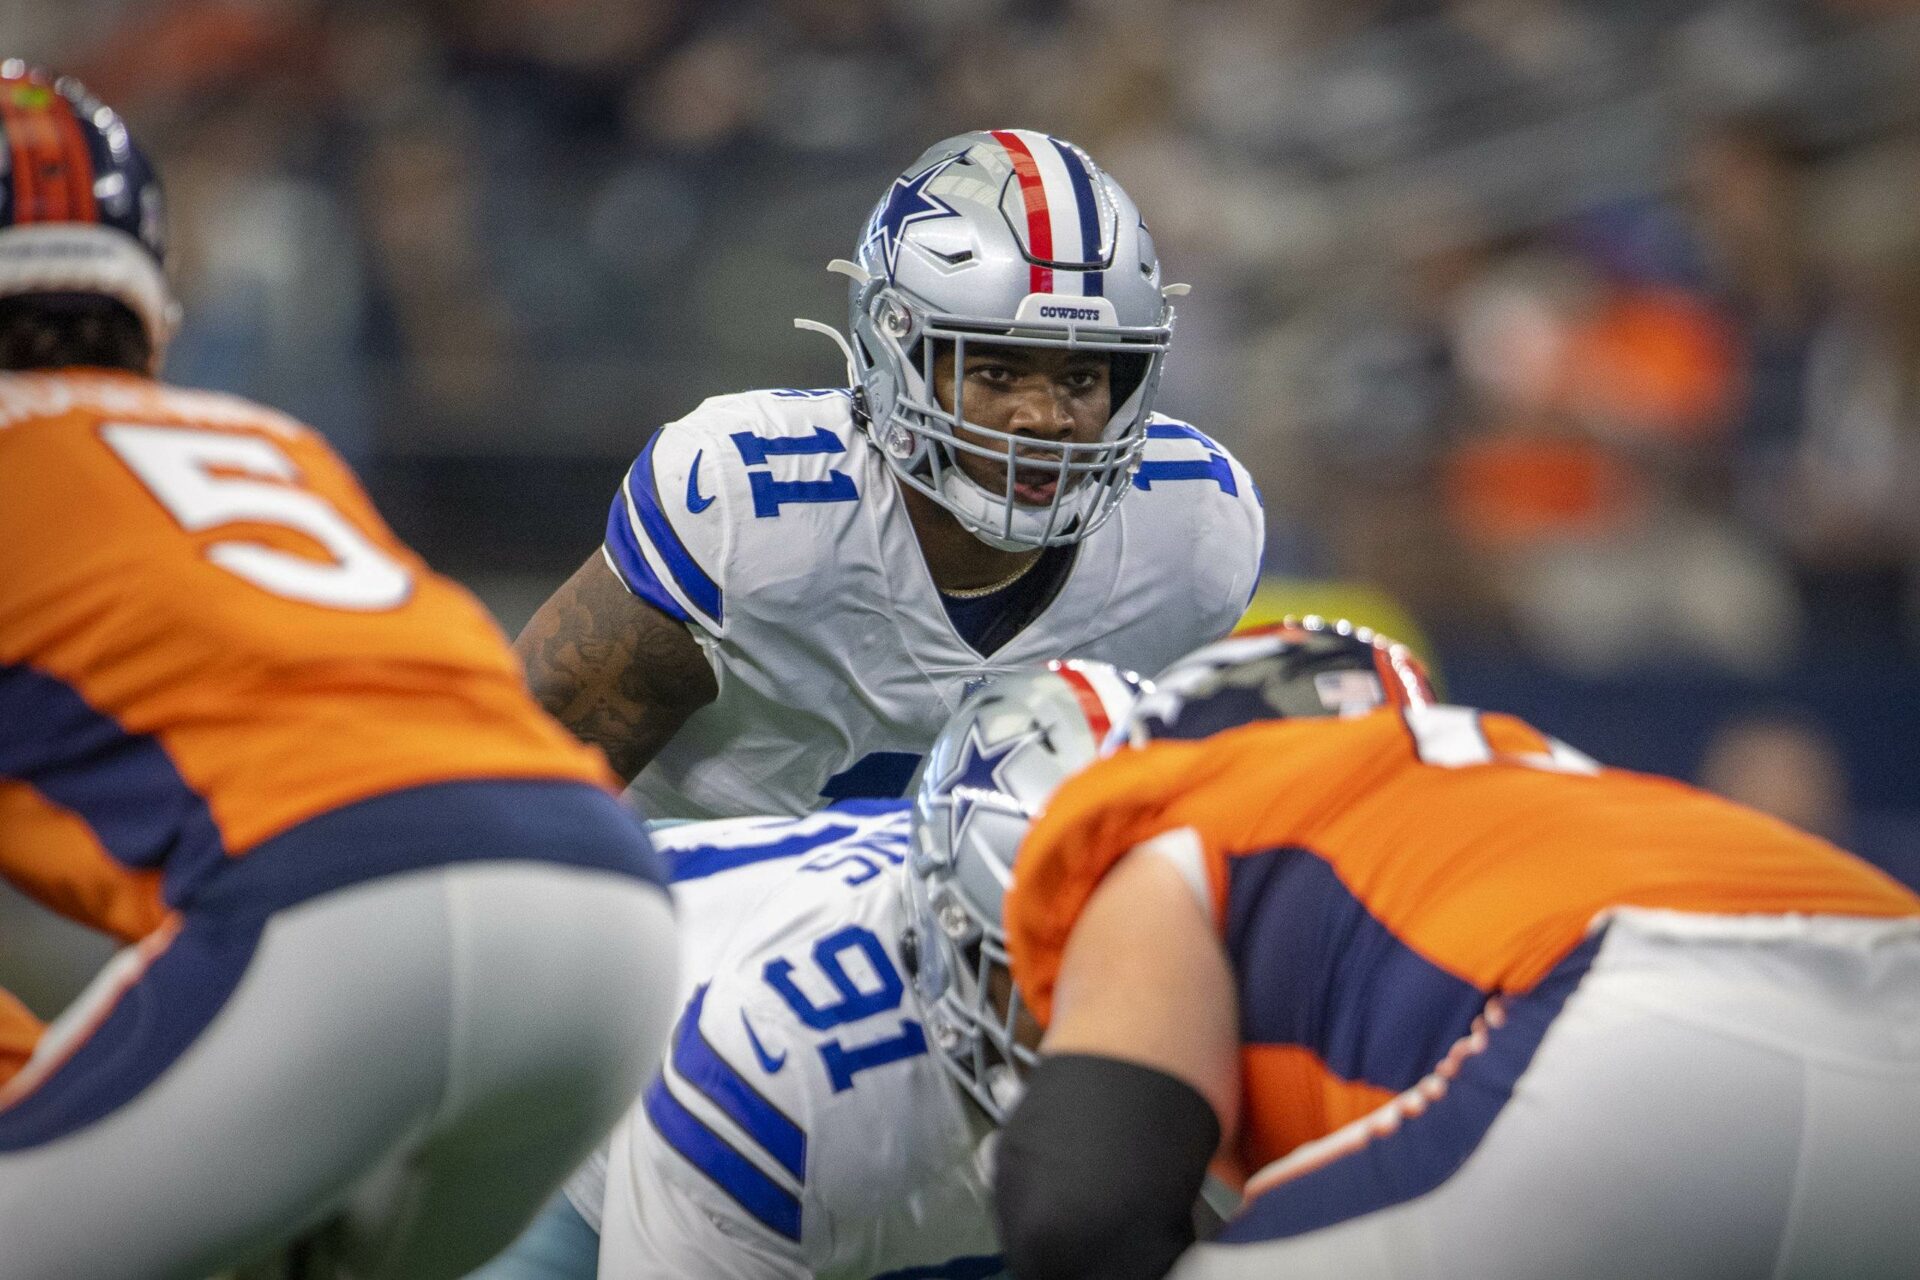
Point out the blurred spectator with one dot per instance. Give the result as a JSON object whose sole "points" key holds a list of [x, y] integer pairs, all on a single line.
{"points": [[1784, 765]]}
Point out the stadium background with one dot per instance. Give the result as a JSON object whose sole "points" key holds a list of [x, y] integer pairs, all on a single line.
{"points": [[1579, 338]]}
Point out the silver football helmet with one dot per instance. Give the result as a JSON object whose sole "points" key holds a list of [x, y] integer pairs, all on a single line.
{"points": [[991, 769], [1008, 237]]}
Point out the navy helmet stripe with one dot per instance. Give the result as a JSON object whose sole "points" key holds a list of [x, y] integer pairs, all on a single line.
{"points": [[123, 785], [630, 563], [1316, 969], [743, 1181], [1428, 1148], [1093, 281], [700, 590], [697, 1062]]}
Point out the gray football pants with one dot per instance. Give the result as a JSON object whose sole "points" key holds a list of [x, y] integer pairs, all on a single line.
{"points": [[418, 1060], [1722, 1098]]}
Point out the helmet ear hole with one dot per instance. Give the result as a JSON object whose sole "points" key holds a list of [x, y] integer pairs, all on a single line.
{"points": [[1126, 373]]}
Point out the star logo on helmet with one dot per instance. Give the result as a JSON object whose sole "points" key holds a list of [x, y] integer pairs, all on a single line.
{"points": [[907, 203], [976, 777]]}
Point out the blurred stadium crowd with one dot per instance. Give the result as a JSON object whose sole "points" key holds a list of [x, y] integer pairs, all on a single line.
{"points": [[1587, 330]]}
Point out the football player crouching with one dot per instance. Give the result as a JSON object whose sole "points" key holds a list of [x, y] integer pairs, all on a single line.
{"points": [[991, 489], [1464, 1002], [843, 973]]}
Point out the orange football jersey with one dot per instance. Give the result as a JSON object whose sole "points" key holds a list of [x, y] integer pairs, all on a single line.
{"points": [[1376, 880], [208, 636]]}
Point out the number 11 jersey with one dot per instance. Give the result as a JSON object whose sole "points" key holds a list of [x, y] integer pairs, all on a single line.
{"points": [[770, 524]]}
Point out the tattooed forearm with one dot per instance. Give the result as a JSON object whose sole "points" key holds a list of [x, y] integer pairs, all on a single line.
{"points": [[613, 669]]}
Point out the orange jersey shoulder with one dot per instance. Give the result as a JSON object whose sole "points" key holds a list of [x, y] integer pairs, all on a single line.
{"points": [[1483, 845], [205, 575]]}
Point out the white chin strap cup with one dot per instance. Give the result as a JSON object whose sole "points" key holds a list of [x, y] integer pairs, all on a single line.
{"points": [[69, 257]]}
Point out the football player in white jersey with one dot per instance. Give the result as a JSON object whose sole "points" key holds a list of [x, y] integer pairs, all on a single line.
{"points": [[798, 587], [806, 1120]]}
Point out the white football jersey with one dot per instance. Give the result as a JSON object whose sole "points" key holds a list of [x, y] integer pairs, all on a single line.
{"points": [[770, 524], [798, 1125]]}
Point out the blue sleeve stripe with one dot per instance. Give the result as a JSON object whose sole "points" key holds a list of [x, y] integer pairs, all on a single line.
{"points": [[624, 554], [698, 1063], [1177, 431], [643, 499], [696, 862], [771, 1204]]}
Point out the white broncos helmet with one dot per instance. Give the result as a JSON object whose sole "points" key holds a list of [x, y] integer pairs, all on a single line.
{"points": [[1014, 238], [991, 769]]}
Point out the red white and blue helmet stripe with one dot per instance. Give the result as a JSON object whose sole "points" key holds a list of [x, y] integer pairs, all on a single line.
{"points": [[1065, 239]]}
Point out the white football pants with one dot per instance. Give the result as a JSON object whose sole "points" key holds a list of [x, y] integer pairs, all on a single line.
{"points": [[419, 1059], [1721, 1098]]}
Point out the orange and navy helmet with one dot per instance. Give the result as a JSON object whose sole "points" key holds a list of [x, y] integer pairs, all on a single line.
{"points": [[80, 208], [1297, 667]]}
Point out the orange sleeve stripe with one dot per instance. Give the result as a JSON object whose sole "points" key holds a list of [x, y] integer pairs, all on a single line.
{"points": [[1290, 1097], [20, 1031], [54, 857]]}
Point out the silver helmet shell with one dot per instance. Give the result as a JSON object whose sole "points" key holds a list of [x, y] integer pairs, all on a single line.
{"points": [[991, 769], [1006, 237]]}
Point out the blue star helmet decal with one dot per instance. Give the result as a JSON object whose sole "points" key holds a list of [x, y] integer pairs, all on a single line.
{"points": [[976, 777], [907, 203]]}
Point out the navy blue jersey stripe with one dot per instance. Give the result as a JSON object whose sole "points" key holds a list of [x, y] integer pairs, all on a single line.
{"points": [[623, 551], [770, 1203], [1093, 281], [1316, 969], [714, 1078], [124, 786], [703, 592], [1428, 1148]]}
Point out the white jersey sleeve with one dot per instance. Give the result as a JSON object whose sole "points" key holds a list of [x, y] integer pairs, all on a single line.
{"points": [[798, 1125], [1224, 526], [691, 504], [668, 529]]}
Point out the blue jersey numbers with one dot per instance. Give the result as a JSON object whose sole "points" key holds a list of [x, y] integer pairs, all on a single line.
{"points": [[852, 980], [1214, 466], [770, 494]]}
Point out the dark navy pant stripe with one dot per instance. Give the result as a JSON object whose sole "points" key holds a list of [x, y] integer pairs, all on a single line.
{"points": [[154, 1021], [443, 824], [1429, 1148]]}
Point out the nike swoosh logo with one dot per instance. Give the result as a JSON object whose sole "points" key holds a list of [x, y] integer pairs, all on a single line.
{"points": [[768, 1062], [696, 503]]}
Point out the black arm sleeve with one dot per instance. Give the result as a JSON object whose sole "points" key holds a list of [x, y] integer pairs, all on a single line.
{"points": [[1097, 1170]]}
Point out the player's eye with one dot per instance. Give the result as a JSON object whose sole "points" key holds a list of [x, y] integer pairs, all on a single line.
{"points": [[991, 373]]}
